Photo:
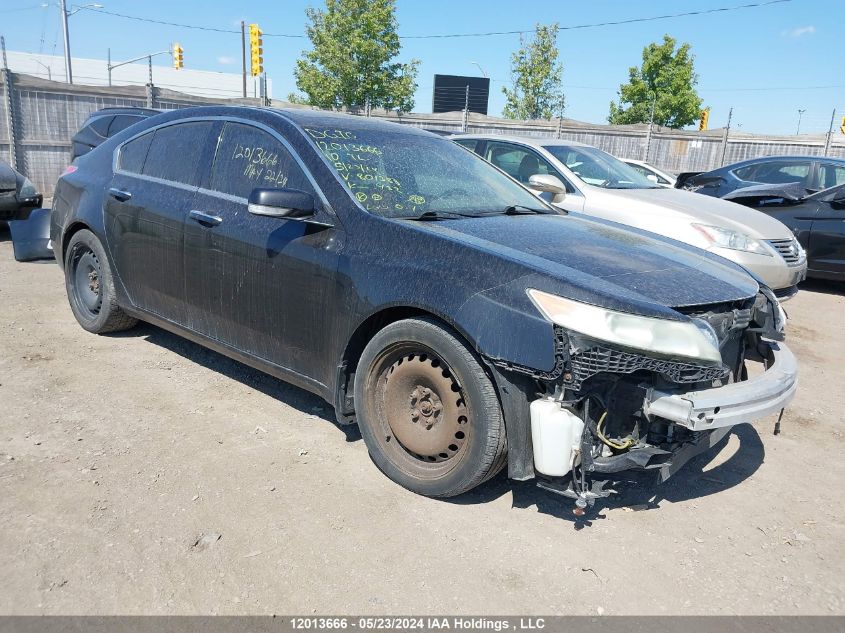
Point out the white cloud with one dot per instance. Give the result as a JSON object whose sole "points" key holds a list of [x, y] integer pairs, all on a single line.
{"points": [[223, 59], [799, 31]]}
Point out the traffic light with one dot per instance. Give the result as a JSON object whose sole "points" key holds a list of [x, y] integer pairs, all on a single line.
{"points": [[705, 116], [178, 56], [842, 127], [256, 50]]}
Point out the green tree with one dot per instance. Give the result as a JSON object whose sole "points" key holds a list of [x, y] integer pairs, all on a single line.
{"points": [[667, 76], [354, 43], [537, 91]]}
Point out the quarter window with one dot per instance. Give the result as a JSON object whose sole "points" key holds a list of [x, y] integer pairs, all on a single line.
{"points": [[174, 151], [134, 152], [249, 158]]}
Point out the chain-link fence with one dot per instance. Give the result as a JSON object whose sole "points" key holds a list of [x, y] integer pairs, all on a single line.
{"points": [[39, 117]]}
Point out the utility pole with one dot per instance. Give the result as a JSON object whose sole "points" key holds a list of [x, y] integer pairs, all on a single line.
{"points": [[3, 46], [108, 63], [798, 129], [725, 137], [829, 133], [243, 52], [68, 69], [466, 111]]}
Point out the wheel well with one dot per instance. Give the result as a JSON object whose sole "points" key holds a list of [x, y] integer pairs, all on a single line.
{"points": [[74, 228], [355, 347]]}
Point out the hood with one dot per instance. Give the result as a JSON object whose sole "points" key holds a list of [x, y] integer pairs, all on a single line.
{"points": [[662, 210], [602, 263]]}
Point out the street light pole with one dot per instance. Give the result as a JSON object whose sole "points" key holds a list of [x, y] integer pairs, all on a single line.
{"points": [[68, 69], [650, 125], [798, 129]]}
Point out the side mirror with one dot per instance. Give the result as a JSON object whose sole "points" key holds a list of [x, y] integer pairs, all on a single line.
{"points": [[546, 183], [653, 178], [281, 203]]}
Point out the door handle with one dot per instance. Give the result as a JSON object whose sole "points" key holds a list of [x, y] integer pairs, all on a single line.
{"points": [[205, 218], [119, 194]]}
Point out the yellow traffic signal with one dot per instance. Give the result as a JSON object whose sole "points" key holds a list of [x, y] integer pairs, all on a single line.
{"points": [[178, 56], [705, 116], [842, 127], [256, 50]]}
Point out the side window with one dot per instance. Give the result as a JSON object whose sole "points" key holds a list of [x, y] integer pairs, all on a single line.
{"points": [[248, 158], [121, 122], [517, 162], [133, 153], [470, 143], [746, 173], [831, 175], [173, 152], [777, 173]]}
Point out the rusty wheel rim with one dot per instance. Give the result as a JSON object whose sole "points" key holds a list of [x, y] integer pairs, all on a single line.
{"points": [[422, 410]]}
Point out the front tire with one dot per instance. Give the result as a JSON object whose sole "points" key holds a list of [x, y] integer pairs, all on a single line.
{"points": [[90, 286], [427, 410]]}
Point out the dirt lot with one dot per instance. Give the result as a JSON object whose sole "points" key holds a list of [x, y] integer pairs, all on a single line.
{"points": [[122, 458]]}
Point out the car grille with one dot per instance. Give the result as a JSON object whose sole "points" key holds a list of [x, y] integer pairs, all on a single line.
{"points": [[789, 249], [599, 359]]}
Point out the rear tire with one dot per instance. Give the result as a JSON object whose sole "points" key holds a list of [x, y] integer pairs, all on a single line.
{"points": [[427, 411], [90, 286]]}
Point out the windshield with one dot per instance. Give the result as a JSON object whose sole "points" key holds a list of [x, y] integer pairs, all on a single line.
{"points": [[400, 174], [599, 168]]}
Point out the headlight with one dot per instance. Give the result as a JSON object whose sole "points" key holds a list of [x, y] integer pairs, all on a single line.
{"points": [[693, 339], [28, 190], [725, 238]]}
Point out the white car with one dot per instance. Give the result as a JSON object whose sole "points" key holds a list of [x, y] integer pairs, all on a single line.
{"points": [[655, 175], [580, 178]]}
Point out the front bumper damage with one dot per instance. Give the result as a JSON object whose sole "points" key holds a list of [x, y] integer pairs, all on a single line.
{"points": [[736, 403]]}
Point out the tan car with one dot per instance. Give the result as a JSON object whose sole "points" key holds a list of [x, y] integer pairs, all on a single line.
{"points": [[584, 179]]}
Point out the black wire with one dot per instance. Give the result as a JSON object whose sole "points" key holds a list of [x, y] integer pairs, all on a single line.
{"points": [[455, 35]]}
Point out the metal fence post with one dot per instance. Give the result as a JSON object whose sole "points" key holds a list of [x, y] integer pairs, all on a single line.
{"points": [[8, 87]]}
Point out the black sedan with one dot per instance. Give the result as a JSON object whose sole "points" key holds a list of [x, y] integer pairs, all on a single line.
{"points": [[817, 220], [18, 196], [461, 322], [813, 173]]}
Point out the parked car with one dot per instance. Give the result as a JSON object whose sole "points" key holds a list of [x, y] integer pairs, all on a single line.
{"points": [[103, 124], [813, 173], [817, 220], [655, 175], [577, 177], [18, 196], [459, 320]]}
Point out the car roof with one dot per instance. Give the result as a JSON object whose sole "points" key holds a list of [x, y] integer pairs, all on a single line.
{"points": [[123, 110], [534, 141], [767, 159]]}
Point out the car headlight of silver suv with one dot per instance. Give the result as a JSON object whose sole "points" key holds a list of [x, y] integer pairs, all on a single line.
{"points": [[692, 339], [734, 240]]}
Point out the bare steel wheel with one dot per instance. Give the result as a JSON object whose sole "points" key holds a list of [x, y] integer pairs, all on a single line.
{"points": [[427, 410], [90, 287]]}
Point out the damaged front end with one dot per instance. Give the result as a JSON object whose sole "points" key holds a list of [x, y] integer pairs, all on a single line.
{"points": [[634, 393]]}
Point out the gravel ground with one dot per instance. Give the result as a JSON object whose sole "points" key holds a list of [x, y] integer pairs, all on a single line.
{"points": [[143, 474]]}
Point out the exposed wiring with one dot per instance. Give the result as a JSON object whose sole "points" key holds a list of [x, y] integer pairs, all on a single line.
{"points": [[619, 447]]}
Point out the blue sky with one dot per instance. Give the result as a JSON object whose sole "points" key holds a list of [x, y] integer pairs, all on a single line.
{"points": [[766, 62]]}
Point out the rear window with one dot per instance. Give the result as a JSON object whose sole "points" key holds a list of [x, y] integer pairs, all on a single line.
{"points": [[174, 150], [121, 122], [134, 152]]}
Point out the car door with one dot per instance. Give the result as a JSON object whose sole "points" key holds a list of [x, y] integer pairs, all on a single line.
{"points": [[826, 248], [154, 182], [259, 284]]}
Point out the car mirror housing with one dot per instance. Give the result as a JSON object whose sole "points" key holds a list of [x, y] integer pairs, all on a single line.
{"points": [[281, 203], [546, 183]]}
